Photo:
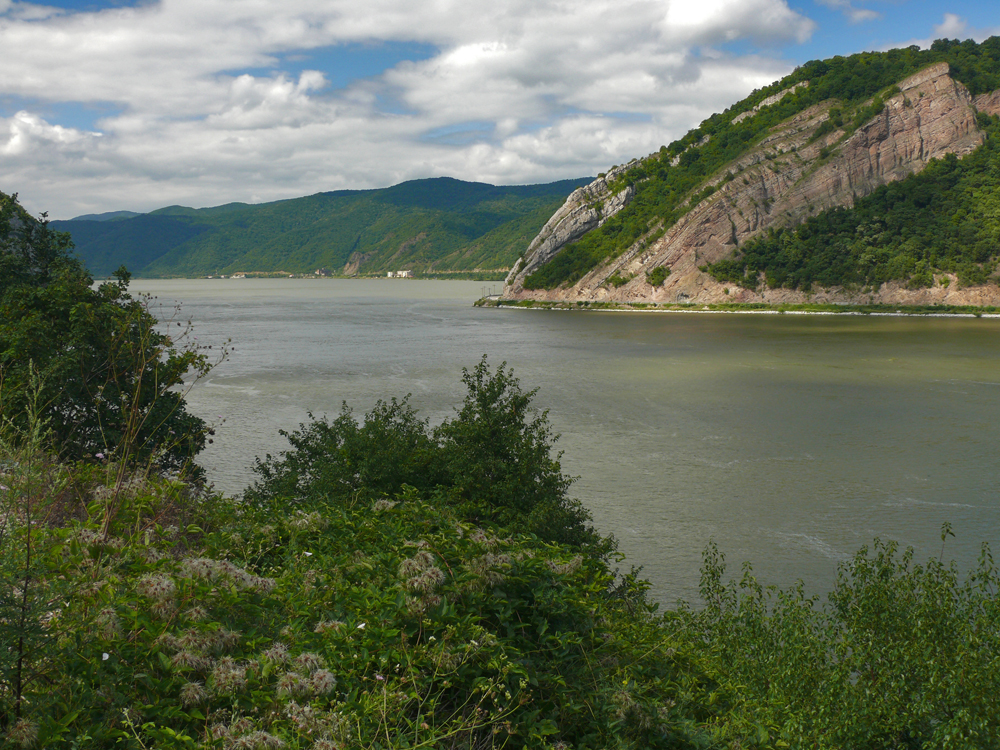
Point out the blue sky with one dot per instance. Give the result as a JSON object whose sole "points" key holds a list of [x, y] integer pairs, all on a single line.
{"points": [[108, 105]]}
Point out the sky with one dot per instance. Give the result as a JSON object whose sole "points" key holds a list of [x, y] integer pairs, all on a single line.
{"points": [[118, 105]]}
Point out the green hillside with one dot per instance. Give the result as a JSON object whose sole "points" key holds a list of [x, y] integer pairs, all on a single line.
{"points": [[671, 181], [433, 225]]}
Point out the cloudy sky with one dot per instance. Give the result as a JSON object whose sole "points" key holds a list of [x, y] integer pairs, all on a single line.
{"points": [[113, 104]]}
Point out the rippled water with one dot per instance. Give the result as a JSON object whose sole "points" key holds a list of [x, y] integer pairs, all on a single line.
{"points": [[790, 440]]}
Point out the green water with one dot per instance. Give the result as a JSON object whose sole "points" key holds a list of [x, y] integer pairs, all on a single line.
{"points": [[789, 440]]}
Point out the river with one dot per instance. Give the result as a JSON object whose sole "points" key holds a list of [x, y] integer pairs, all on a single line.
{"points": [[789, 440]]}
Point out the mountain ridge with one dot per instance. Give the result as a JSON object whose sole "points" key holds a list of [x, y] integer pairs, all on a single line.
{"points": [[812, 153], [431, 225]]}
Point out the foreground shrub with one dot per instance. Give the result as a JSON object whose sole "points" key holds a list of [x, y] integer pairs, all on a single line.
{"points": [[386, 623], [903, 656]]}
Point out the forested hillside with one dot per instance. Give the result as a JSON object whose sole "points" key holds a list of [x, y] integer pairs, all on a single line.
{"points": [[424, 225], [842, 95]]}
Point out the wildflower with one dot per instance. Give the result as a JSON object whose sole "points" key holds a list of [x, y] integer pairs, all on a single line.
{"points": [[163, 609], [362, 626], [192, 694], [308, 554], [290, 684], [105, 656], [257, 741], [277, 654], [24, 733], [196, 614], [189, 660], [159, 587], [99, 456], [322, 682], [108, 625], [384, 504], [309, 662], [228, 676]]}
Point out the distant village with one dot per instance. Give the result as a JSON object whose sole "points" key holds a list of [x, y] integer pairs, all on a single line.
{"points": [[407, 274]]}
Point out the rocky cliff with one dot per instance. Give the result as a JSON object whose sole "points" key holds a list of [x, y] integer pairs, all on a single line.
{"points": [[786, 177]]}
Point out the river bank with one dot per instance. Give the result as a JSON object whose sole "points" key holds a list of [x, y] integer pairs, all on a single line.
{"points": [[758, 308]]}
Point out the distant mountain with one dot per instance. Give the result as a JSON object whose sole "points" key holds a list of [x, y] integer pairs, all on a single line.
{"points": [[433, 225], [870, 178], [109, 216]]}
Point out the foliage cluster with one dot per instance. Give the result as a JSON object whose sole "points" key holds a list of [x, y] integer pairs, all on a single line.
{"points": [[903, 656], [942, 220], [441, 224], [107, 378], [658, 275], [664, 191]]}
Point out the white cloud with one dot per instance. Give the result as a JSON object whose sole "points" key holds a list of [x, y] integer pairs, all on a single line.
{"points": [[853, 14], [952, 27], [520, 91]]}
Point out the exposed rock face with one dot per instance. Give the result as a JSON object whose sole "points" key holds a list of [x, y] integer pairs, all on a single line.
{"points": [[988, 103], [781, 182], [585, 209]]}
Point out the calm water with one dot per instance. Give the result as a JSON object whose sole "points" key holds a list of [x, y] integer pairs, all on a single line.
{"points": [[789, 440]]}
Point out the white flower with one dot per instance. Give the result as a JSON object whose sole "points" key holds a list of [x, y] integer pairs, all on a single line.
{"points": [[362, 626], [105, 656], [308, 554]]}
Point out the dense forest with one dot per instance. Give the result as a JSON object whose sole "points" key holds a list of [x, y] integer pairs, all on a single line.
{"points": [[441, 225], [667, 183], [386, 584]]}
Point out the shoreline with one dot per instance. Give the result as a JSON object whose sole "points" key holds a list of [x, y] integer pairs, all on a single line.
{"points": [[888, 311]]}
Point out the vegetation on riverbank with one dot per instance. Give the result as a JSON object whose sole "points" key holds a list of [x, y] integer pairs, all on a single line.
{"points": [[747, 307], [388, 585]]}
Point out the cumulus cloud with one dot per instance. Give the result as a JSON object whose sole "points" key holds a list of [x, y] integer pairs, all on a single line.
{"points": [[952, 27], [517, 91], [852, 13]]}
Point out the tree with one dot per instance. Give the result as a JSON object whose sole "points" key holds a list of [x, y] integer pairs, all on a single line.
{"points": [[497, 452], [493, 461], [107, 377]]}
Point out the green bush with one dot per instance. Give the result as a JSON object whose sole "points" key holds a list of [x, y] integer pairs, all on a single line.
{"points": [[657, 276]]}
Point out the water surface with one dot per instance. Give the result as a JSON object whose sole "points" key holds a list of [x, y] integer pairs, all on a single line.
{"points": [[789, 440]]}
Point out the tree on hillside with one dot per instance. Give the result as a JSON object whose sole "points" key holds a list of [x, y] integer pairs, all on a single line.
{"points": [[103, 378]]}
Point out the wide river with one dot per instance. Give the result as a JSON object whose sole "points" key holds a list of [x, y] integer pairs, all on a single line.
{"points": [[789, 440]]}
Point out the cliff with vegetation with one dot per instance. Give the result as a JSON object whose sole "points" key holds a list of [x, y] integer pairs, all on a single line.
{"points": [[867, 179], [429, 226]]}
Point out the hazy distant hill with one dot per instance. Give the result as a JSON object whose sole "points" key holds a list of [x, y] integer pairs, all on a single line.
{"points": [[439, 224]]}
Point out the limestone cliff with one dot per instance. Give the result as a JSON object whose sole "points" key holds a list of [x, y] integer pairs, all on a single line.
{"points": [[788, 176], [586, 208]]}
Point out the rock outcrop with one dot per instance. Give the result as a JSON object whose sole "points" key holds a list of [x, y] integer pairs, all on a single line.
{"points": [[586, 208], [780, 182]]}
